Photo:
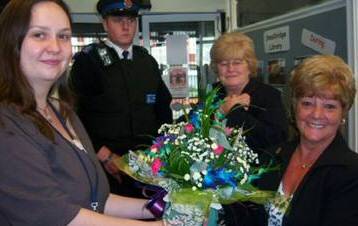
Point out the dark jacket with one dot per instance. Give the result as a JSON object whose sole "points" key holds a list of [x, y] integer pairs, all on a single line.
{"points": [[267, 126], [327, 195], [265, 120], [121, 102]]}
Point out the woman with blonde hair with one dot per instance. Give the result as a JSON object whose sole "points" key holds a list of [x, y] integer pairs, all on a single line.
{"points": [[318, 180], [248, 103]]}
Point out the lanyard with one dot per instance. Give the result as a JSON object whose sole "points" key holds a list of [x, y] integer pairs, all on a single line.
{"points": [[93, 186]]}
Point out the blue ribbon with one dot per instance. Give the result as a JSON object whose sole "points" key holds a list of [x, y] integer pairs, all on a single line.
{"points": [[216, 177]]}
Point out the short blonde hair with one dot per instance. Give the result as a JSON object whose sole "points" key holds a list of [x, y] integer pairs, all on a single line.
{"points": [[321, 73], [234, 45]]}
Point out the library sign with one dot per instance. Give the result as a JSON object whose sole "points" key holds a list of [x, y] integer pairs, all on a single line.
{"points": [[277, 40]]}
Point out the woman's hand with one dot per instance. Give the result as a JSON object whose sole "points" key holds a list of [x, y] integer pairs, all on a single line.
{"points": [[232, 100], [106, 156]]}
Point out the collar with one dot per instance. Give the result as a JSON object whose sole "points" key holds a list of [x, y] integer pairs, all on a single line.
{"points": [[249, 88], [337, 153], [334, 154], [119, 50]]}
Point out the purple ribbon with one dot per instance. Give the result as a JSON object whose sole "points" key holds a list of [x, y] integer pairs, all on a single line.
{"points": [[156, 204]]}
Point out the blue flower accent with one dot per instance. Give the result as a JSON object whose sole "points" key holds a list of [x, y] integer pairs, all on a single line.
{"points": [[216, 177], [195, 119]]}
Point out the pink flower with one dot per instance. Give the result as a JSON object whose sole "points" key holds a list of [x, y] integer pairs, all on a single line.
{"points": [[219, 150], [228, 131], [156, 166], [154, 148], [189, 128]]}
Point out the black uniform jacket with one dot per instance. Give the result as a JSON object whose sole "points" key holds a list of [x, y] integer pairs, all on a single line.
{"points": [[265, 120], [120, 102], [327, 195]]}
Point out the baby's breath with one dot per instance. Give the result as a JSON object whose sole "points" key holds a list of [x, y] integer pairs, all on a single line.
{"points": [[202, 148]]}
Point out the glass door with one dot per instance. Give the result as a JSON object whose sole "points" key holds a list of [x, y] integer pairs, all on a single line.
{"points": [[181, 44]]}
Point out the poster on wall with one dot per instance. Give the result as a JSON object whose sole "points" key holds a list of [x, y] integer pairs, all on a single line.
{"points": [[178, 81], [299, 60], [276, 71]]}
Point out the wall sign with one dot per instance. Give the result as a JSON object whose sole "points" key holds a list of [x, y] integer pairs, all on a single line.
{"points": [[277, 40], [317, 42]]}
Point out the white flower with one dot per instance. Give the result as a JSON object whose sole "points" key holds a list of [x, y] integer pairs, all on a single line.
{"points": [[239, 160], [244, 179], [241, 169], [196, 175], [214, 146], [204, 154], [186, 177], [212, 155]]}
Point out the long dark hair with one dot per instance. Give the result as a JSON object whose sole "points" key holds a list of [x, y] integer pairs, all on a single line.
{"points": [[14, 88]]}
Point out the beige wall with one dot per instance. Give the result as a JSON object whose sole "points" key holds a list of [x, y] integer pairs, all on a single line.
{"points": [[88, 6], [170, 6], [188, 5], [82, 6]]}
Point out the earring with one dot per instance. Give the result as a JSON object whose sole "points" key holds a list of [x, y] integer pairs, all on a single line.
{"points": [[343, 121]]}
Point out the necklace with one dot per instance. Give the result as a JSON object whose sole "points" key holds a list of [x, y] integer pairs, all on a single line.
{"points": [[305, 165], [309, 160], [45, 112]]}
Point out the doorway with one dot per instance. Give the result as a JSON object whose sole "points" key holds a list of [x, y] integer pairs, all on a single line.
{"points": [[181, 45]]}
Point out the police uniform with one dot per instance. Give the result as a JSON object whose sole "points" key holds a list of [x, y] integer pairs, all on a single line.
{"points": [[122, 103]]}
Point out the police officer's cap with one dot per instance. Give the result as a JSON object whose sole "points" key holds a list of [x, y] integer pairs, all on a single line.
{"points": [[117, 8]]}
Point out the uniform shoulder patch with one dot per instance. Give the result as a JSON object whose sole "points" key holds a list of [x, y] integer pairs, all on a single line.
{"points": [[89, 48]]}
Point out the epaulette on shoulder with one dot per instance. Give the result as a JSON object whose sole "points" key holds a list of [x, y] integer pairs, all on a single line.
{"points": [[89, 48]]}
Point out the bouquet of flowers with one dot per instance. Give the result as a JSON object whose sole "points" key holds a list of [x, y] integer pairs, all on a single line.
{"points": [[201, 164]]}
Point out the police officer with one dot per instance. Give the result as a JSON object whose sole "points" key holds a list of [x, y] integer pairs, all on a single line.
{"points": [[121, 97]]}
